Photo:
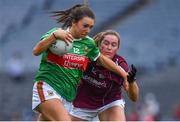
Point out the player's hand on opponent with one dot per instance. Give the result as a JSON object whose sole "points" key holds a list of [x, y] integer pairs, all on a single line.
{"points": [[63, 35], [131, 77]]}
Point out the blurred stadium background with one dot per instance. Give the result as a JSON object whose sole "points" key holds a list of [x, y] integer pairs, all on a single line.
{"points": [[150, 39]]}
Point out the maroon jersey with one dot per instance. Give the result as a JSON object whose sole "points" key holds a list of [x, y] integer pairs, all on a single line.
{"points": [[99, 86]]}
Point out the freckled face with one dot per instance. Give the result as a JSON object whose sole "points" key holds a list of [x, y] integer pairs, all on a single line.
{"points": [[82, 28], [109, 46]]}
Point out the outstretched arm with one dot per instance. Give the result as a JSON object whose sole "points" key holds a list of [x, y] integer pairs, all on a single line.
{"points": [[110, 65]]}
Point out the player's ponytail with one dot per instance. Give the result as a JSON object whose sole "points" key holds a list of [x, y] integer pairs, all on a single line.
{"points": [[73, 14]]}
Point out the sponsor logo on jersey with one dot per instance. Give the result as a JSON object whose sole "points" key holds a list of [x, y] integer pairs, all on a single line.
{"points": [[94, 82], [69, 60]]}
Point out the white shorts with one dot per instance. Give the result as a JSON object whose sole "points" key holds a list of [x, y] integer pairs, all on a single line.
{"points": [[89, 114], [42, 91]]}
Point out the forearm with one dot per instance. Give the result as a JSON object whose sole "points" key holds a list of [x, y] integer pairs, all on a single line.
{"points": [[110, 65], [43, 45], [133, 91]]}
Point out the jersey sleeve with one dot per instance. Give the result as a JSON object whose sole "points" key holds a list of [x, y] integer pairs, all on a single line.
{"points": [[47, 34], [119, 60], [94, 53], [124, 65]]}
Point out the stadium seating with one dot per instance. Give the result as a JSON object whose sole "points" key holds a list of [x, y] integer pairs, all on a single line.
{"points": [[149, 39]]}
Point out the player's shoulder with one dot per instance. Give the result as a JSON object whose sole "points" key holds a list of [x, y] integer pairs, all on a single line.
{"points": [[52, 30], [48, 33], [89, 38], [119, 58], [90, 41]]}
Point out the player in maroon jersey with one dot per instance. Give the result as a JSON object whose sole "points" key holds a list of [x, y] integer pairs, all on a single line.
{"points": [[100, 91]]}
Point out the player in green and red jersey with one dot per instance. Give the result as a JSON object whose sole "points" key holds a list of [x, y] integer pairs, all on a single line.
{"points": [[68, 67], [58, 76]]}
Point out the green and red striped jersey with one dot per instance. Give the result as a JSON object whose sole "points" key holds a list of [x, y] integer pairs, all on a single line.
{"points": [[63, 73]]}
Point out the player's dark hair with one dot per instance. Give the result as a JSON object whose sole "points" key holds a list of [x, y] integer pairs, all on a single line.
{"points": [[100, 36], [73, 14]]}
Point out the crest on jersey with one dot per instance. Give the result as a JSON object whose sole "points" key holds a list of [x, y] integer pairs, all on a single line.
{"points": [[50, 93], [85, 50]]}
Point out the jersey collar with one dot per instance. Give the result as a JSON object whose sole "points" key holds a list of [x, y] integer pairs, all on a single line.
{"points": [[74, 38]]}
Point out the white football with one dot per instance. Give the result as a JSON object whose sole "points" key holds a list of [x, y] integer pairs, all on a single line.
{"points": [[59, 47]]}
